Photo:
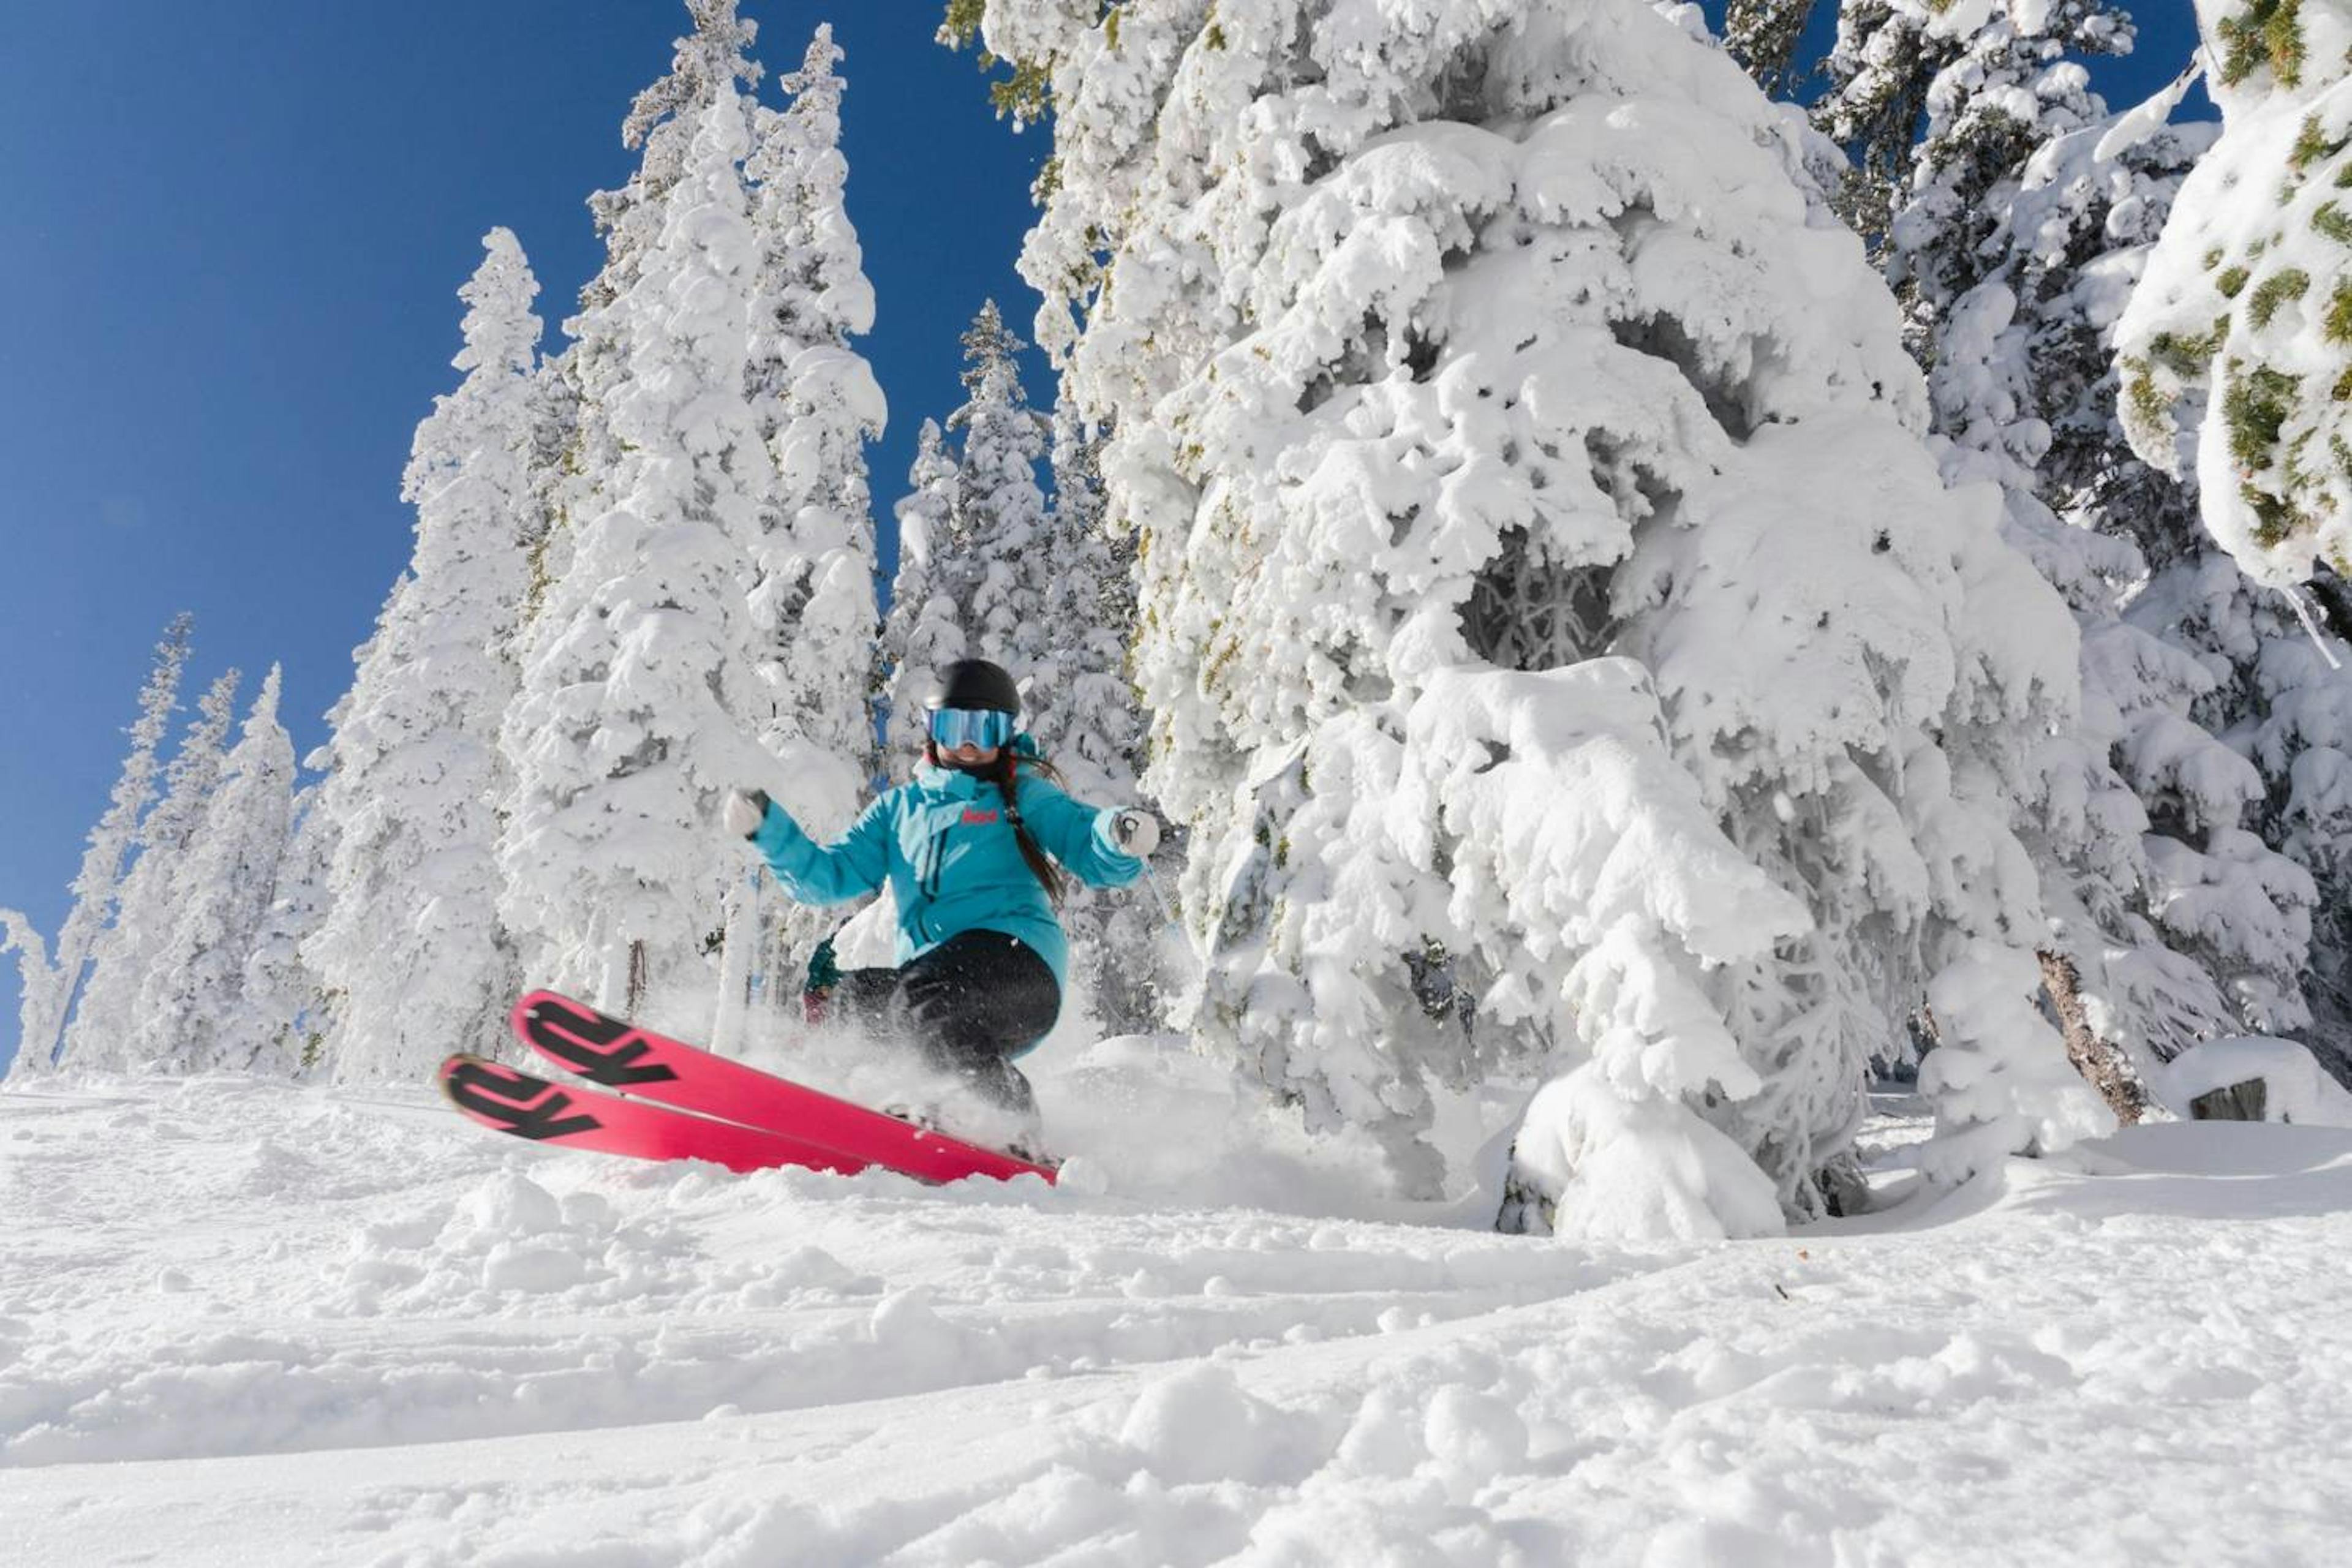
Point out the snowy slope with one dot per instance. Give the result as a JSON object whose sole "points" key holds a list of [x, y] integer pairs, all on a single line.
{"points": [[247, 1324]]}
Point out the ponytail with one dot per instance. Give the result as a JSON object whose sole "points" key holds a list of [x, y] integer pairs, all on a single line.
{"points": [[1008, 780]]}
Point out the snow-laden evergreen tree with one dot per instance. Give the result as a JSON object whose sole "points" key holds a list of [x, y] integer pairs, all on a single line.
{"points": [[1473, 379], [1763, 36], [2013, 83], [2274, 695], [2237, 348], [1874, 104], [412, 947], [638, 694], [976, 567], [999, 524], [192, 1001], [709, 63], [2029, 215], [1085, 719], [287, 1019], [555, 447], [101, 1035], [50, 984], [925, 630], [34, 975], [818, 404]]}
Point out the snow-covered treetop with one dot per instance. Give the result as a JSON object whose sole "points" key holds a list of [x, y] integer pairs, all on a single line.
{"points": [[501, 332], [999, 524], [719, 50], [709, 63], [819, 289]]}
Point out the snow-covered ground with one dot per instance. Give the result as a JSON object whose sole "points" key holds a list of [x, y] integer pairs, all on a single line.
{"points": [[247, 1324]]}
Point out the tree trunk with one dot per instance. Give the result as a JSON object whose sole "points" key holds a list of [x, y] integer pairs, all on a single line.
{"points": [[2101, 1063], [741, 928]]}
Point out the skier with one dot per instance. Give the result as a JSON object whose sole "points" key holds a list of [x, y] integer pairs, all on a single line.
{"points": [[964, 845]]}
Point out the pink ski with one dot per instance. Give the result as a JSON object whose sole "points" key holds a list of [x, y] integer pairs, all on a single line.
{"points": [[518, 1104], [615, 1055]]}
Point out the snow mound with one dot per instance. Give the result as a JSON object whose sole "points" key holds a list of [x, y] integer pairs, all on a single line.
{"points": [[2296, 1087], [1602, 1167]]}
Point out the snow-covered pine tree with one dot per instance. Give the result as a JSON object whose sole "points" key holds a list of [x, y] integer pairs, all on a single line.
{"points": [[555, 446], [191, 1004], [1472, 378], [2026, 222], [660, 126], [50, 984], [2280, 702], [1763, 36], [925, 631], [2270, 691], [2236, 350], [286, 1018], [1085, 718], [2013, 82], [816, 403], [1874, 104], [101, 1034], [34, 975], [973, 533], [998, 527], [637, 699], [412, 947]]}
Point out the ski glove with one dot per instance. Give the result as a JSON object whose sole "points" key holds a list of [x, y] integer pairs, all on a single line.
{"points": [[1134, 832], [745, 810]]}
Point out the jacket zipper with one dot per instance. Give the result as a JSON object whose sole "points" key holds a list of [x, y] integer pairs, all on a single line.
{"points": [[938, 862]]}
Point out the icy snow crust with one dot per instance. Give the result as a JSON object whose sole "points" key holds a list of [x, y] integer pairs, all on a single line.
{"points": [[248, 1324]]}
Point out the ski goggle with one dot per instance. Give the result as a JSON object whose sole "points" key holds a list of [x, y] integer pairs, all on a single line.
{"points": [[986, 728]]}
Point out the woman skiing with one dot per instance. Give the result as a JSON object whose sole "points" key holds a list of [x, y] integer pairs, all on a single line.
{"points": [[964, 845]]}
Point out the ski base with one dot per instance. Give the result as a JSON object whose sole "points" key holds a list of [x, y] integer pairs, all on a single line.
{"points": [[508, 1100], [615, 1054]]}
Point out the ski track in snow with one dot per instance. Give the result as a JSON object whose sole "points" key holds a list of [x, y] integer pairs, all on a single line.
{"points": [[372, 1334]]}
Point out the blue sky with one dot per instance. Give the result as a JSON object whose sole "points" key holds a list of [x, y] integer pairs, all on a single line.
{"points": [[231, 271]]}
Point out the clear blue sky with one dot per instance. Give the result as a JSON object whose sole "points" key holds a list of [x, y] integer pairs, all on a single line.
{"points": [[235, 234]]}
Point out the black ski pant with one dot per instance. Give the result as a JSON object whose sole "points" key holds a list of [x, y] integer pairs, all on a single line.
{"points": [[967, 1004]]}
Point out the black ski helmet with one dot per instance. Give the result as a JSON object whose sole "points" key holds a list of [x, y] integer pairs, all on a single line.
{"points": [[974, 683]]}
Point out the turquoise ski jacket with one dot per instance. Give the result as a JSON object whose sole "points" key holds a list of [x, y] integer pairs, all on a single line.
{"points": [[942, 842]]}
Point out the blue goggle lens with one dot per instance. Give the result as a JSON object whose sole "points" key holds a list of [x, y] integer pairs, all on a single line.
{"points": [[987, 728]]}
